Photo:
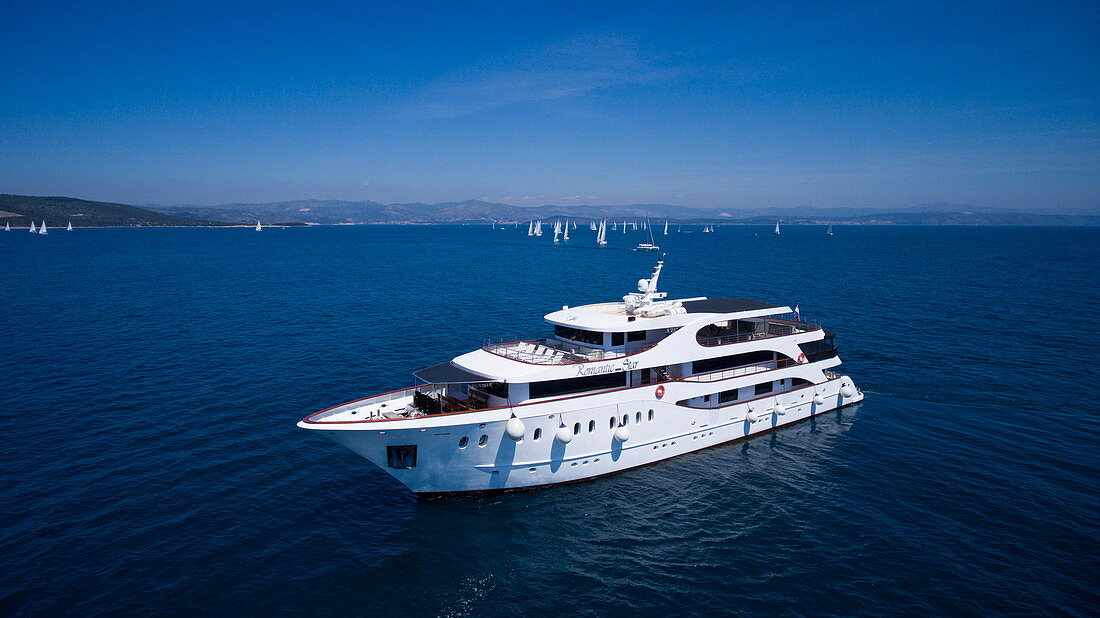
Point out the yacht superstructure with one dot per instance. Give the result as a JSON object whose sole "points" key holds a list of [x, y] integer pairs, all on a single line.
{"points": [[618, 385]]}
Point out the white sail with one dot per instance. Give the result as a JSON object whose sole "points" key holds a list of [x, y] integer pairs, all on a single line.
{"points": [[557, 229], [601, 235], [70, 228], [7, 226], [538, 227], [624, 227], [592, 226], [259, 228], [830, 230], [776, 227], [613, 226], [565, 235], [42, 230], [34, 230], [666, 228]]}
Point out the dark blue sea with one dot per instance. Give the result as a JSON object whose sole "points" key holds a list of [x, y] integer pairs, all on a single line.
{"points": [[152, 379]]}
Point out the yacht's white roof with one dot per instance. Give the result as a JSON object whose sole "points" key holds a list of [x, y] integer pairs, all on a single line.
{"points": [[613, 317]]}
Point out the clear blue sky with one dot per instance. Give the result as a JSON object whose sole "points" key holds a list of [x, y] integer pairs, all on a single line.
{"points": [[730, 104]]}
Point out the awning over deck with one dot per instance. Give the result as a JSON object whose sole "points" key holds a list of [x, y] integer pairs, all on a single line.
{"points": [[449, 373]]}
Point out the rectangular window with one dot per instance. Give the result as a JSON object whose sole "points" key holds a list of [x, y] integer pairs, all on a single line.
{"points": [[401, 457], [725, 362], [552, 388], [617, 338], [763, 389], [636, 335], [727, 396], [496, 389], [579, 335]]}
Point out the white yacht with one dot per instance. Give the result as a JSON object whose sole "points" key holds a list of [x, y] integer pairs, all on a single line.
{"points": [[618, 385]]}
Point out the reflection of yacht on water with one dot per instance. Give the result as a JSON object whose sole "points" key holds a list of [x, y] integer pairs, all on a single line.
{"points": [[618, 385]]}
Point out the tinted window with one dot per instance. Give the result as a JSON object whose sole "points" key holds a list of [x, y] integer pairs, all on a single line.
{"points": [[725, 362], [636, 335], [551, 388], [763, 389], [579, 335], [617, 338]]}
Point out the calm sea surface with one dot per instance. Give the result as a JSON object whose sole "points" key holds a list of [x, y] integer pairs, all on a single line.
{"points": [[152, 379]]}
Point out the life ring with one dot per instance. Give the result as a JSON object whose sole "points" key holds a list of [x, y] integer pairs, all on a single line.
{"points": [[802, 358], [660, 392]]}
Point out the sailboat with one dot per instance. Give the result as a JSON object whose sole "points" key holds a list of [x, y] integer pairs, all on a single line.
{"points": [[531, 228], [7, 226], [624, 227], [42, 230], [557, 229], [706, 228], [34, 230], [574, 225], [666, 227], [592, 225], [538, 227], [601, 235], [70, 227], [776, 228], [565, 232], [829, 232], [647, 246], [613, 228], [259, 228]]}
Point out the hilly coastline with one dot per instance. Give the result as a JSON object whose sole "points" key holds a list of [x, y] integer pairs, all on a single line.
{"points": [[19, 210]]}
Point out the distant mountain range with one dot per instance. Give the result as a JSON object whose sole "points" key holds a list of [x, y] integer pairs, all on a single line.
{"points": [[20, 209]]}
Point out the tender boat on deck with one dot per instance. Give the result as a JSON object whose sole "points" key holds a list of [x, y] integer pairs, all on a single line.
{"points": [[618, 385]]}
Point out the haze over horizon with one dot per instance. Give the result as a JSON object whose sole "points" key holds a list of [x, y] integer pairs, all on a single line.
{"points": [[785, 105]]}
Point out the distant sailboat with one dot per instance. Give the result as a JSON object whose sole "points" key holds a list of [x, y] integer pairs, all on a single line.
{"points": [[601, 235], [538, 227], [647, 246], [574, 225], [777, 228], [557, 230], [624, 227], [592, 226], [34, 230], [706, 228], [42, 230], [666, 228], [531, 228], [565, 232], [613, 228], [7, 226], [829, 232], [259, 228], [70, 228]]}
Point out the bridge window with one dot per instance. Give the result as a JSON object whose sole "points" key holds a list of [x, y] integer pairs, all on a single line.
{"points": [[579, 335], [618, 339], [636, 335]]}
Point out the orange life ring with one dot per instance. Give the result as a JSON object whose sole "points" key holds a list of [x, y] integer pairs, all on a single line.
{"points": [[660, 392], [801, 358]]}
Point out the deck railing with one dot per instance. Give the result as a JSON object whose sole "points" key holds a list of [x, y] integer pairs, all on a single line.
{"points": [[549, 352], [743, 370], [775, 328]]}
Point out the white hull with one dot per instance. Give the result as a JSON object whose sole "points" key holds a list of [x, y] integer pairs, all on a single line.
{"points": [[503, 463]]}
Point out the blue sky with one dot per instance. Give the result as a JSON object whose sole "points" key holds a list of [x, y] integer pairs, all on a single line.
{"points": [[733, 105]]}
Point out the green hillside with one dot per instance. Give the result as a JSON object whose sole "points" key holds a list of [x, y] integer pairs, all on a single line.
{"points": [[20, 210]]}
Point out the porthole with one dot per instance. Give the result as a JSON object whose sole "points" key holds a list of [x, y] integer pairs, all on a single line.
{"points": [[651, 415], [576, 429], [538, 434], [463, 442], [626, 417], [638, 417], [483, 440], [591, 426], [612, 424]]}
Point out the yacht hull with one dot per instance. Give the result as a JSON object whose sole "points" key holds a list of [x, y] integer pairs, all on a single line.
{"points": [[472, 452]]}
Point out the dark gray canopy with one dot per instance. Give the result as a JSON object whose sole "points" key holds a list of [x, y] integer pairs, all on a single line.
{"points": [[449, 373]]}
